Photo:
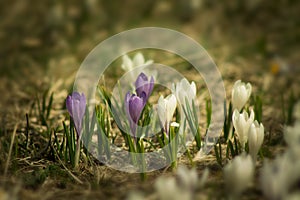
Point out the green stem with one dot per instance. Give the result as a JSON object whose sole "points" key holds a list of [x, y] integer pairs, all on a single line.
{"points": [[77, 154]]}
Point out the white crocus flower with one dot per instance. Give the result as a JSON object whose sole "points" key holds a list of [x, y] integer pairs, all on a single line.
{"points": [[138, 60], [184, 90], [182, 188], [278, 176], [292, 134], [292, 138], [238, 175], [242, 123], [187, 177], [240, 94], [166, 108], [167, 188], [256, 138], [131, 65]]}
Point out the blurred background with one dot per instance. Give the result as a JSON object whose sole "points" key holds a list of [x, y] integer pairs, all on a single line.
{"points": [[45, 41], [40, 33]]}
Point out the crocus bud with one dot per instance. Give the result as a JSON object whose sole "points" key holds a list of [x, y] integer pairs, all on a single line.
{"points": [[241, 123], [240, 94], [76, 105], [134, 106], [143, 86], [256, 137], [184, 90], [238, 175], [165, 109]]}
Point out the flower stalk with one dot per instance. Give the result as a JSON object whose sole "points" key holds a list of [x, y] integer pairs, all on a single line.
{"points": [[76, 106]]}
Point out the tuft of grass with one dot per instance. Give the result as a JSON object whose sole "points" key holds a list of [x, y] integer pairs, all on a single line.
{"points": [[290, 108], [258, 108], [44, 107]]}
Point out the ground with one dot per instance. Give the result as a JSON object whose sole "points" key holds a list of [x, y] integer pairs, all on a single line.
{"points": [[43, 44]]}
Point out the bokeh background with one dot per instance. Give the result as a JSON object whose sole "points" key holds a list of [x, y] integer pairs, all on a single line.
{"points": [[45, 41], [42, 44]]}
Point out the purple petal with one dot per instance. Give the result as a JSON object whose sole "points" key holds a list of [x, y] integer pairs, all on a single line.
{"points": [[76, 105], [144, 86], [127, 98], [143, 96], [151, 86], [141, 84], [76, 95], [69, 105], [136, 105]]}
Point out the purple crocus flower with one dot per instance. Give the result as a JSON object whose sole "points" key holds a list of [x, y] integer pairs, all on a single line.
{"points": [[134, 106], [76, 105], [144, 86]]}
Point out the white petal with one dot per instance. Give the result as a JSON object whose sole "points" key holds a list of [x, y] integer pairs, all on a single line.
{"points": [[193, 88], [252, 140], [261, 135], [249, 90], [127, 64], [138, 59], [174, 124], [171, 106], [240, 94], [161, 110], [235, 117]]}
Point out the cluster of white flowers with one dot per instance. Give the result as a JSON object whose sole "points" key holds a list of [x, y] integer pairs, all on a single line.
{"points": [[279, 177], [184, 187], [239, 173], [184, 93], [246, 128]]}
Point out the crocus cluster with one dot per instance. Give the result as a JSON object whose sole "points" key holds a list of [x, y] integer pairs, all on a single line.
{"points": [[246, 128], [135, 103], [76, 105], [185, 93]]}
